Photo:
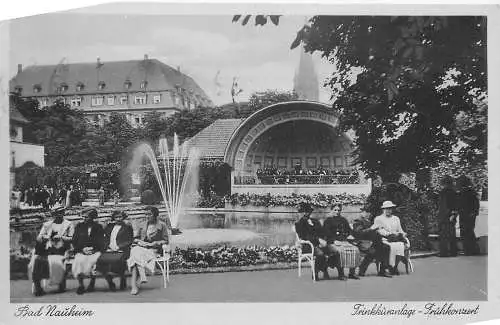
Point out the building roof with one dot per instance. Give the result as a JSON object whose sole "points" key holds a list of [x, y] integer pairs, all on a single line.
{"points": [[212, 140], [16, 116], [47, 79]]}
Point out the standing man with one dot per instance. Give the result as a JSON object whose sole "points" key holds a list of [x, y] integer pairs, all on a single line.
{"points": [[88, 242], [468, 210], [447, 217], [310, 229]]}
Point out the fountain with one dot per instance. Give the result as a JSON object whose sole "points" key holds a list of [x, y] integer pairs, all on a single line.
{"points": [[180, 171], [178, 182]]}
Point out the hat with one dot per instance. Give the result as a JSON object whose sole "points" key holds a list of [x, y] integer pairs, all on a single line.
{"points": [[388, 204], [305, 207], [58, 211], [91, 212]]}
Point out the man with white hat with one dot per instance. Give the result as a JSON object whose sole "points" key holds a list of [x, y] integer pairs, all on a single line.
{"points": [[389, 226]]}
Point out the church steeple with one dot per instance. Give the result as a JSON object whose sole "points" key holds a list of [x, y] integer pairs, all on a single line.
{"points": [[305, 82]]}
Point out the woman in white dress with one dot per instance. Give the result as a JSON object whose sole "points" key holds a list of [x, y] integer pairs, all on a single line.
{"points": [[148, 244], [389, 226]]}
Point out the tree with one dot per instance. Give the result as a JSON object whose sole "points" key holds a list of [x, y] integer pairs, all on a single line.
{"points": [[266, 98], [417, 77], [120, 138]]}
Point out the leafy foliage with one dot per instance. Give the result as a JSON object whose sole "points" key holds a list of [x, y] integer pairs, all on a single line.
{"points": [[419, 79]]}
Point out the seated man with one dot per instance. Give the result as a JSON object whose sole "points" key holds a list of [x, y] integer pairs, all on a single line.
{"points": [[310, 229], [342, 253], [118, 236], [51, 246], [88, 242], [389, 227]]}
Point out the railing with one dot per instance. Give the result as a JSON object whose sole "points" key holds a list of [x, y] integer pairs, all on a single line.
{"points": [[297, 179]]}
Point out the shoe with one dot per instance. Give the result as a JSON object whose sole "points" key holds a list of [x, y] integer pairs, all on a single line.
{"points": [[62, 287], [91, 287], [134, 291], [326, 276], [342, 278], [394, 271], [444, 255], [361, 274], [385, 275], [316, 276], [353, 276], [80, 290]]}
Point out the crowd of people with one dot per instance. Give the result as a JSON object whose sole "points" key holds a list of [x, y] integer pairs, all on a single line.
{"points": [[338, 245], [47, 197], [298, 175], [110, 251]]}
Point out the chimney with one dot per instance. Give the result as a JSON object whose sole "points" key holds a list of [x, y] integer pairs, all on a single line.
{"points": [[19, 68], [179, 68], [146, 57]]}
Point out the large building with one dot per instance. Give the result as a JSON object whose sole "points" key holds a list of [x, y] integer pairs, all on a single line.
{"points": [[132, 87]]}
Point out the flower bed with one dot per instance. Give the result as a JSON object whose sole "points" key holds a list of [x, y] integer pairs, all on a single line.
{"points": [[318, 200]]}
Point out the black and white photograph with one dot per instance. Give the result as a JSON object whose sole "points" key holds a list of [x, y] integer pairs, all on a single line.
{"points": [[254, 156]]}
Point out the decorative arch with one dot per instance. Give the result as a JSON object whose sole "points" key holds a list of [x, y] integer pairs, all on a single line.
{"points": [[268, 117]]}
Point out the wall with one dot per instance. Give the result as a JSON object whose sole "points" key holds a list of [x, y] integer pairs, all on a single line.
{"points": [[23, 152], [303, 189]]}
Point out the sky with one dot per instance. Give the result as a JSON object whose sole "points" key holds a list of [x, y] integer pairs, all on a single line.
{"points": [[258, 56]]}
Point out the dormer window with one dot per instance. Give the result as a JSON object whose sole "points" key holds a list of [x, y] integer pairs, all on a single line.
{"points": [[101, 85], [18, 89], [37, 88], [63, 87], [127, 84], [80, 86], [144, 84]]}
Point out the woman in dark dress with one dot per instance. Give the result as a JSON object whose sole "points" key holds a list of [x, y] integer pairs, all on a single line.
{"points": [[468, 209], [447, 218], [342, 253], [118, 236]]}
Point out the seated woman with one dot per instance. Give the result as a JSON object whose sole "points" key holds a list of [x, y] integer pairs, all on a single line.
{"points": [[342, 254], [389, 227], [118, 236], [310, 229], [51, 246], [88, 242], [150, 239]]}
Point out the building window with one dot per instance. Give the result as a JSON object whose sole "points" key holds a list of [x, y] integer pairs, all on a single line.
{"points": [[176, 100], [18, 89], [124, 100], [76, 102], [144, 84], [101, 85], [63, 88], [61, 100], [127, 84], [43, 102], [156, 99], [111, 100], [80, 87], [140, 100], [97, 100], [137, 120], [37, 89]]}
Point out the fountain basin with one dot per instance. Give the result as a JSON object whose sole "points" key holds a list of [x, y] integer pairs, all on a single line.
{"points": [[211, 238]]}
